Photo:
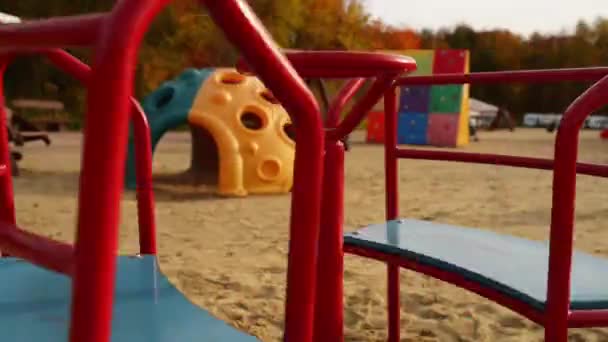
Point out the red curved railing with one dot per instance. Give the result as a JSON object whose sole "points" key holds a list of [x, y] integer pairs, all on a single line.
{"points": [[557, 316], [385, 68], [117, 36], [343, 64], [7, 201], [17, 241], [562, 212]]}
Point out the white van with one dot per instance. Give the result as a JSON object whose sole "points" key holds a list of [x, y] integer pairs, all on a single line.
{"points": [[598, 122], [531, 120]]}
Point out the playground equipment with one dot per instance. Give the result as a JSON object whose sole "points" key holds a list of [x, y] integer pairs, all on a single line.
{"points": [[239, 130], [536, 280], [436, 115], [245, 137], [148, 302]]}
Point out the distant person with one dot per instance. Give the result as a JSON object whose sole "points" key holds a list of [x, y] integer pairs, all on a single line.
{"points": [[503, 117], [473, 131]]}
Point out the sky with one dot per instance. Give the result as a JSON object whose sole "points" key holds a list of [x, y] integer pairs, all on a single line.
{"points": [[521, 16]]}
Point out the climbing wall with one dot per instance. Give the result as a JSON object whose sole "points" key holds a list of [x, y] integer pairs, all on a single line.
{"points": [[435, 115]]}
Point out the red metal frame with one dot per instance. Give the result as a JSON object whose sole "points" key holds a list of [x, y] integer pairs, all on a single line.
{"points": [[116, 36], [557, 317], [147, 225], [453, 278], [392, 210], [355, 65], [497, 159], [54, 32], [7, 202]]}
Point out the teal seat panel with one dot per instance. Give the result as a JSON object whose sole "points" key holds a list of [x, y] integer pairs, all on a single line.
{"points": [[513, 266], [35, 306]]}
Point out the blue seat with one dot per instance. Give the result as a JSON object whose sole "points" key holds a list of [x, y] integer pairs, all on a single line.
{"points": [[34, 306], [513, 266]]}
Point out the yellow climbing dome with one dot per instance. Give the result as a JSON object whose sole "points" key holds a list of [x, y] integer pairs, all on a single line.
{"points": [[251, 131]]}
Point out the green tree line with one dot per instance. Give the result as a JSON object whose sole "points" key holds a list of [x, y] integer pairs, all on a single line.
{"points": [[184, 36]]}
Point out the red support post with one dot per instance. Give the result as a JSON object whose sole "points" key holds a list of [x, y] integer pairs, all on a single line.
{"points": [[7, 199], [7, 204], [329, 308], [103, 166], [392, 208], [143, 169], [243, 29]]}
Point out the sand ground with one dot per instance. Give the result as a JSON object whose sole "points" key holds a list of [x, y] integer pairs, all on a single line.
{"points": [[228, 255]]}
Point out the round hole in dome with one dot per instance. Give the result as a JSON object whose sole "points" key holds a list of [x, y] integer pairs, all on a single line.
{"points": [[252, 120], [164, 97], [290, 130]]}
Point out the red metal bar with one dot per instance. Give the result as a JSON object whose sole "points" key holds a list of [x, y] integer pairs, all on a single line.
{"points": [[497, 159], [361, 108], [143, 154], [329, 320], [7, 201], [562, 211], [69, 64], [103, 163], [588, 319], [346, 94], [54, 255], [245, 31], [145, 197], [60, 58], [343, 64], [515, 76], [392, 209], [7, 205], [455, 279], [143, 169], [54, 32]]}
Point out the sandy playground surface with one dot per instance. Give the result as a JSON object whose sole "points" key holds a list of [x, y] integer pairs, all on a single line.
{"points": [[228, 255]]}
